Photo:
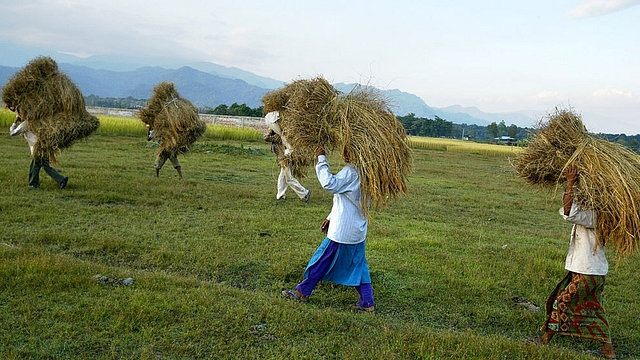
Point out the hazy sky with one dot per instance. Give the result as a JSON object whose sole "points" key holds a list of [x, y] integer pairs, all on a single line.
{"points": [[500, 56]]}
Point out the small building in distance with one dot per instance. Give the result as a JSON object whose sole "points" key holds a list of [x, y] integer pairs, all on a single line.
{"points": [[505, 140]]}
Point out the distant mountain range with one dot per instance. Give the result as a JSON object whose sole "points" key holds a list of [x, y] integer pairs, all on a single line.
{"points": [[209, 85]]}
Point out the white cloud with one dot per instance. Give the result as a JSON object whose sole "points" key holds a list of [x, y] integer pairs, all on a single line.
{"points": [[601, 7], [610, 93], [547, 94]]}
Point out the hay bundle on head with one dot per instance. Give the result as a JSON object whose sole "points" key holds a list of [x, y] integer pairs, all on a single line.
{"points": [[359, 125], [52, 105], [608, 182], [373, 137], [175, 120], [303, 106]]}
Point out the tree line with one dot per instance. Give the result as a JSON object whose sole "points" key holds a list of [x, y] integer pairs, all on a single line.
{"points": [[415, 126], [439, 127], [133, 103]]}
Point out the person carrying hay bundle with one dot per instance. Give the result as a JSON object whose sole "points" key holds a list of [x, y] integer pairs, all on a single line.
{"points": [[50, 113], [602, 187], [174, 122], [285, 178], [21, 127], [271, 119], [340, 258], [574, 308], [163, 156], [372, 142]]}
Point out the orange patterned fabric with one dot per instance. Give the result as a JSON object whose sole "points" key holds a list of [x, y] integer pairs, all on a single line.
{"points": [[574, 308]]}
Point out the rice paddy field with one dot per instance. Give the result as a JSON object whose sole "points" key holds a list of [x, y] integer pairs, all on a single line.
{"points": [[121, 265], [454, 145], [111, 125]]}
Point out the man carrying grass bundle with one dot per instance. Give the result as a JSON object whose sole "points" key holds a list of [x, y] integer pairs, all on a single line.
{"points": [[285, 178], [20, 127], [174, 122], [272, 119], [50, 113], [340, 258], [574, 308], [163, 156]]}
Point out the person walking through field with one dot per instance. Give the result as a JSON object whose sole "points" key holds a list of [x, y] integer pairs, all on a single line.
{"points": [[20, 127], [272, 120], [285, 178], [340, 258], [575, 308], [163, 156]]}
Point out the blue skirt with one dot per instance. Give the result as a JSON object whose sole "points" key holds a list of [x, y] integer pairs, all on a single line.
{"points": [[349, 266]]}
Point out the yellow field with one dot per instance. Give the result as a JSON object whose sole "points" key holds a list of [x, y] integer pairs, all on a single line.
{"points": [[454, 145], [112, 125], [134, 127]]}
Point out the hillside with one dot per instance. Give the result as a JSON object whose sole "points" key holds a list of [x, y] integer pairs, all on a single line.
{"points": [[209, 85]]}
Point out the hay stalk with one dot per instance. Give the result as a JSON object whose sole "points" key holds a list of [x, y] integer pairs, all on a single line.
{"points": [[609, 180]]}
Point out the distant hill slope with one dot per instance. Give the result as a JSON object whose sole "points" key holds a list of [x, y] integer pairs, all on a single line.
{"points": [[209, 85], [475, 113], [202, 89]]}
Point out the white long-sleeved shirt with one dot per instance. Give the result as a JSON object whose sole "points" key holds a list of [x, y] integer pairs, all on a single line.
{"points": [[347, 224], [23, 128], [582, 258]]}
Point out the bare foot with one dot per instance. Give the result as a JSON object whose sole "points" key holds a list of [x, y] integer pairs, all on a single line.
{"points": [[607, 351], [544, 339]]}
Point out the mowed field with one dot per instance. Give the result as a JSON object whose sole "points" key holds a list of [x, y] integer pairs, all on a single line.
{"points": [[459, 265]]}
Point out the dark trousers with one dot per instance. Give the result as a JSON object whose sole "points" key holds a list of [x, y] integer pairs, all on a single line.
{"points": [[34, 172]]}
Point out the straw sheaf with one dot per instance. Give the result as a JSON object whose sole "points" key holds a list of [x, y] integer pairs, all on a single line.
{"points": [[608, 182], [52, 105], [359, 125], [175, 120]]}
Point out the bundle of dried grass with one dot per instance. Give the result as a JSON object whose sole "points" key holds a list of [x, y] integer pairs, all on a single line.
{"points": [[609, 180], [175, 120], [359, 125], [52, 105]]}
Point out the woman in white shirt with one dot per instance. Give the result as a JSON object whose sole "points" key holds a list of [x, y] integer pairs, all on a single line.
{"points": [[574, 308]]}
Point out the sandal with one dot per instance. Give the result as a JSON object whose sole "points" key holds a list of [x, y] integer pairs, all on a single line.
{"points": [[358, 308], [293, 295]]}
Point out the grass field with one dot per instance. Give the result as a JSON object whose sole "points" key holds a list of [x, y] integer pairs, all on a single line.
{"points": [[209, 255]]}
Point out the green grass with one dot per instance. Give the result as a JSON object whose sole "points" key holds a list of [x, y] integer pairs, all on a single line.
{"points": [[210, 255]]}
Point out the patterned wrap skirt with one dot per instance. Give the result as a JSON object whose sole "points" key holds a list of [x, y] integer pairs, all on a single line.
{"points": [[574, 308]]}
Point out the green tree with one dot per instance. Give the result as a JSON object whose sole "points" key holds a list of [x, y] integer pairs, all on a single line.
{"points": [[239, 110], [512, 131], [502, 128], [493, 129], [220, 110]]}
